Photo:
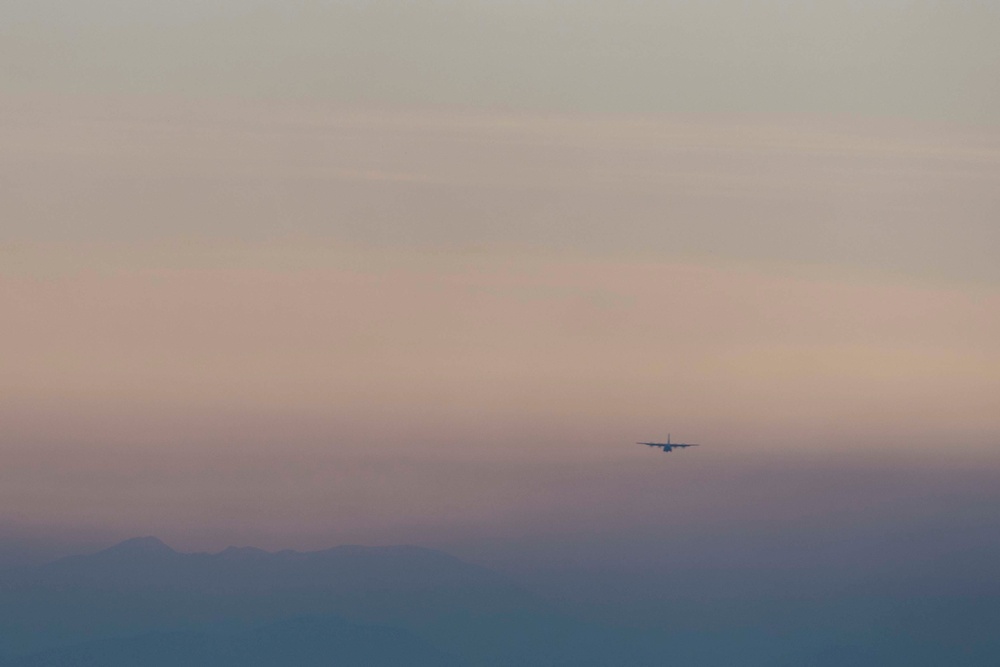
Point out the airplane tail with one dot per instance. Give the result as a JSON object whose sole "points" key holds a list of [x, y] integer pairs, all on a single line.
{"points": [[668, 438]]}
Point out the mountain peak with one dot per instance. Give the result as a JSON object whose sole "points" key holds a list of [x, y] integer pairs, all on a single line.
{"points": [[140, 546]]}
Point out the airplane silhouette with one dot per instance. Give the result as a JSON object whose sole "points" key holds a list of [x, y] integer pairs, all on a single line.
{"points": [[667, 446]]}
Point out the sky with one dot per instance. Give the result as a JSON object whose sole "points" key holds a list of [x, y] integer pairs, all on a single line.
{"points": [[303, 273]]}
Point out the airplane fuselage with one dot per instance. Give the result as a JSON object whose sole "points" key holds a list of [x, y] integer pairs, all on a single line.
{"points": [[667, 446]]}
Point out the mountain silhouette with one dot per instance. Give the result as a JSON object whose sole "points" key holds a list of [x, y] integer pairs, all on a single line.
{"points": [[148, 563], [141, 595], [141, 602], [302, 641], [138, 546]]}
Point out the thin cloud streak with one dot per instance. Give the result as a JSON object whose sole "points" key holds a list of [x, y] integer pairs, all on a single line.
{"points": [[912, 198]]}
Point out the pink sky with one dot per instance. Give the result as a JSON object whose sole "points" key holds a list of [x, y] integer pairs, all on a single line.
{"points": [[284, 321]]}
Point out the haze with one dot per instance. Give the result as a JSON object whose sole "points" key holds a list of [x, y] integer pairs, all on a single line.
{"points": [[302, 273]]}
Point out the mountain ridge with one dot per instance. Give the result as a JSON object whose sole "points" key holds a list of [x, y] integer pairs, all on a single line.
{"points": [[141, 585], [305, 641]]}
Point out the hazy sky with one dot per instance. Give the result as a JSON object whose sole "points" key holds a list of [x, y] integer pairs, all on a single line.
{"points": [[298, 273], [913, 58]]}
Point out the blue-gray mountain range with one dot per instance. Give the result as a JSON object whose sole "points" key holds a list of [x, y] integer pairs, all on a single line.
{"points": [[140, 603]]}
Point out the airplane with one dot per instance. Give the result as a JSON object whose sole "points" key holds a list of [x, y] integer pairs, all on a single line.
{"points": [[667, 446]]}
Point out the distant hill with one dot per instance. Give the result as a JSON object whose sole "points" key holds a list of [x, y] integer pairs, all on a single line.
{"points": [[302, 642], [142, 604], [142, 593], [142, 583], [148, 564]]}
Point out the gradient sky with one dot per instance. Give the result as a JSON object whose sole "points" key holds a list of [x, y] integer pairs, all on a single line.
{"points": [[300, 273]]}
